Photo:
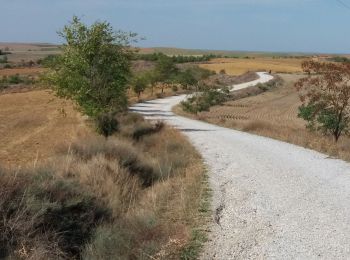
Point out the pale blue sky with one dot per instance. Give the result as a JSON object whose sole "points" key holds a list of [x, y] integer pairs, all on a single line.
{"points": [[255, 25]]}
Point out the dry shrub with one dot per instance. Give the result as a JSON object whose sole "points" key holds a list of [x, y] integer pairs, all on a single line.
{"points": [[45, 216], [124, 153], [146, 129]]}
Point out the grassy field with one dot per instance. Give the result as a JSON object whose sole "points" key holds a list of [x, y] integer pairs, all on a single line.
{"points": [[240, 66], [274, 114]]}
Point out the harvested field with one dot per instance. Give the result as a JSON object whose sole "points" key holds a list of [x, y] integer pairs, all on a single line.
{"points": [[240, 66], [33, 123], [28, 51], [274, 114]]}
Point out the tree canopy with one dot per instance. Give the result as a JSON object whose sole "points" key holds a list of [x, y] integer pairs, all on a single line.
{"points": [[94, 67], [325, 95]]}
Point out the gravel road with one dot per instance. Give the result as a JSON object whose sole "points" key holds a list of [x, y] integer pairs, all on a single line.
{"points": [[271, 200]]}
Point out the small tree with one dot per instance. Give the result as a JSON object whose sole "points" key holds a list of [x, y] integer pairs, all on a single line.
{"points": [[325, 95], [165, 68], [139, 84], [186, 78], [94, 67]]}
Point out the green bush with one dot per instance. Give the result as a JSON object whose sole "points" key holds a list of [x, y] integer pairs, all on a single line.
{"points": [[3, 59], [203, 101], [14, 79], [107, 124]]}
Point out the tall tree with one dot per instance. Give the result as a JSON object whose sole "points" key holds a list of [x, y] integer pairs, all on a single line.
{"points": [[94, 67], [325, 95]]}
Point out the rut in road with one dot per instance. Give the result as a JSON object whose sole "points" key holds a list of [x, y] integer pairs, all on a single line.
{"points": [[271, 200]]}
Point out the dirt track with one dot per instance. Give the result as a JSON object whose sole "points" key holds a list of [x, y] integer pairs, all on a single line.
{"points": [[271, 200]]}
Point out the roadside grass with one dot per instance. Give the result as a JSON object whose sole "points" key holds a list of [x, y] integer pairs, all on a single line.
{"points": [[102, 198], [199, 233]]}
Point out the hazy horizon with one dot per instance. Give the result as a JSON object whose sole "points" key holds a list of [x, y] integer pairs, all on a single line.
{"points": [[298, 26]]}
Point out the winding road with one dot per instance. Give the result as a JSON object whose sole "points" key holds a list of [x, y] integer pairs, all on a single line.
{"points": [[271, 200]]}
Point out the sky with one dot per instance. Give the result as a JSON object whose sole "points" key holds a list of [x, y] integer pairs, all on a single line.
{"points": [[251, 25]]}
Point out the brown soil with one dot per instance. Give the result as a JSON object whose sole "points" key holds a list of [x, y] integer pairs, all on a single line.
{"points": [[34, 71]]}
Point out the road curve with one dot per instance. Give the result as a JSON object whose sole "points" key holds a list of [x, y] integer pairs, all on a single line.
{"points": [[271, 200]]}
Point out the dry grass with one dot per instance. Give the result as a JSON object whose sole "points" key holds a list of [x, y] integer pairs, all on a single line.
{"points": [[99, 198], [240, 66], [274, 114], [33, 123]]}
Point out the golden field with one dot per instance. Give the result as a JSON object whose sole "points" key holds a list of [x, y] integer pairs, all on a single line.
{"points": [[240, 66]]}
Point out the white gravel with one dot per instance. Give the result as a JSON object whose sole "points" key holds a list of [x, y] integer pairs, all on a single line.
{"points": [[271, 200]]}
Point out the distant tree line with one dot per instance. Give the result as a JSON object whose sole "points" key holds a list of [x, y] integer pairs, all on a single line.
{"points": [[176, 58], [339, 59]]}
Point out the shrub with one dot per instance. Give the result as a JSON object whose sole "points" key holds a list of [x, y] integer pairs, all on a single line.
{"points": [[128, 157], [3, 59], [203, 101], [107, 124], [14, 79], [146, 129]]}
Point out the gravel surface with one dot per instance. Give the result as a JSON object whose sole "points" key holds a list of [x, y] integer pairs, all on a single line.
{"points": [[271, 200]]}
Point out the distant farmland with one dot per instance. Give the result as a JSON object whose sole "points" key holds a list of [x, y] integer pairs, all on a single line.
{"points": [[240, 66], [238, 54]]}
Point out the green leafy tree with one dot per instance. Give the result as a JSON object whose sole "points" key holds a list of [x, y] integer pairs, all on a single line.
{"points": [[325, 95], [94, 67], [165, 69], [140, 83], [186, 78]]}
